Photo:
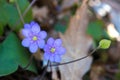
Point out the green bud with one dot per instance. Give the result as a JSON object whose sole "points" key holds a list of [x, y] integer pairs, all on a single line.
{"points": [[11, 1], [104, 44]]}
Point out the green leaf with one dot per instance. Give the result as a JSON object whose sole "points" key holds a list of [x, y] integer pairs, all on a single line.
{"points": [[9, 14], [1, 29], [23, 4], [104, 43], [61, 25], [12, 55], [117, 75], [95, 29], [11, 1], [13, 16], [3, 14]]}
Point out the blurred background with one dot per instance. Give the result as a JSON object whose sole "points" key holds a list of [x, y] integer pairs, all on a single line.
{"points": [[81, 24]]}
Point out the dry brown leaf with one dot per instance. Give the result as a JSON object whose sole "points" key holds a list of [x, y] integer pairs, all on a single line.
{"points": [[114, 53], [38, 55], [97, 71], [68, 3], [77, 44], [40, 13]]}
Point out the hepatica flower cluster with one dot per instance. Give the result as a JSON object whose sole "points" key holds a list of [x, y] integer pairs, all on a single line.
{"points": [[34, 40]]}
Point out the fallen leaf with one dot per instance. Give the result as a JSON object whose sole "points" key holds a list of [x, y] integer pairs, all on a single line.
{"points": [[77, 44], [97, 71], [114, 52], [40, 13], [68, 3]]}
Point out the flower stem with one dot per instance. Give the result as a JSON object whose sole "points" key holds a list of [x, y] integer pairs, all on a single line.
{"points": [[45, 70], [28, 8], [19, 12], [24, 14], [77, 59]]}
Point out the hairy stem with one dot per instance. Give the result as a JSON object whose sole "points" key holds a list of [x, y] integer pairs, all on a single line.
{"points": [[19, 12], [28, 8], [24, 14], [76, 59], [45, 71]]}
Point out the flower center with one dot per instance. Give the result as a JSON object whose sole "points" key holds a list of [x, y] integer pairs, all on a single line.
{"points": [[52, 50], [34, 38]]}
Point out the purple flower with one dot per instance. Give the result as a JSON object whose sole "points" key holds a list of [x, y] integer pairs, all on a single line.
{"points": [[54, 50], [34, 37]]}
